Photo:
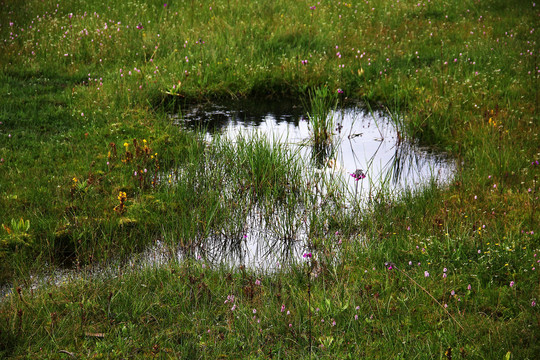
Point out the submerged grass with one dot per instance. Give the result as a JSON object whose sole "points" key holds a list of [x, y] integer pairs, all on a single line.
{"points": [[91, 171]]}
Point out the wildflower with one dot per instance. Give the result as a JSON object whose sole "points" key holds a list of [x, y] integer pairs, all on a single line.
{"points": [[469, 287], [233, 307], [122, 197], [356, 317], [254, 311], [358, 174], [282, 307], [533, 303], [444, 275], [307, 255], [452, 293], [426, 274], [258, 282], [512, 283], [339, 91]]}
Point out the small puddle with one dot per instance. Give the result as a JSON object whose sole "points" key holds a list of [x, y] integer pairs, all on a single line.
{"points": [[364, 144]]}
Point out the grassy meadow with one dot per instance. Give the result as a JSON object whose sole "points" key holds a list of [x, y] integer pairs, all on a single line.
{"points": [[93, 172]]}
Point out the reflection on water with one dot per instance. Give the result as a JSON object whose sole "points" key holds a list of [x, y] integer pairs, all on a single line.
{"points": [[362, 140], [365, 143]]}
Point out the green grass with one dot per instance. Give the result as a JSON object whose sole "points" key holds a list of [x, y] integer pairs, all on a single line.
{"points": [[322, 102], [79, 79]]}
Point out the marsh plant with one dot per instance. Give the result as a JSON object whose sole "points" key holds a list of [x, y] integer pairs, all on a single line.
{"points": [[322, 104]]}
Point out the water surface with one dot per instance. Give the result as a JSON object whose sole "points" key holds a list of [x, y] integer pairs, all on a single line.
{"points": [[363, 142]]}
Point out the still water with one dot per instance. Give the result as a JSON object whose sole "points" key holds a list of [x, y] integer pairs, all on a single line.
{"points": [[367, 155]]}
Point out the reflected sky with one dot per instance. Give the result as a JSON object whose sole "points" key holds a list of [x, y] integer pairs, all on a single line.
{"points": [[362, 140]]}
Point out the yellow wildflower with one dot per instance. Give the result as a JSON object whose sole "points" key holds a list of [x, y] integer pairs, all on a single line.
{"points": [[122, 196]]}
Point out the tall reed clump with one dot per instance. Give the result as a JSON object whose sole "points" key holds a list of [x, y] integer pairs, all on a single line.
{"points": [[322, 102]]}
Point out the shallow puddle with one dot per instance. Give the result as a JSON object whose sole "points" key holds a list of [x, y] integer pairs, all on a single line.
{"points": [[366, 155]]}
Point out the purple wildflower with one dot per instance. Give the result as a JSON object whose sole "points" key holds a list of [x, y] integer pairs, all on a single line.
{"points": [[358, 174]]}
